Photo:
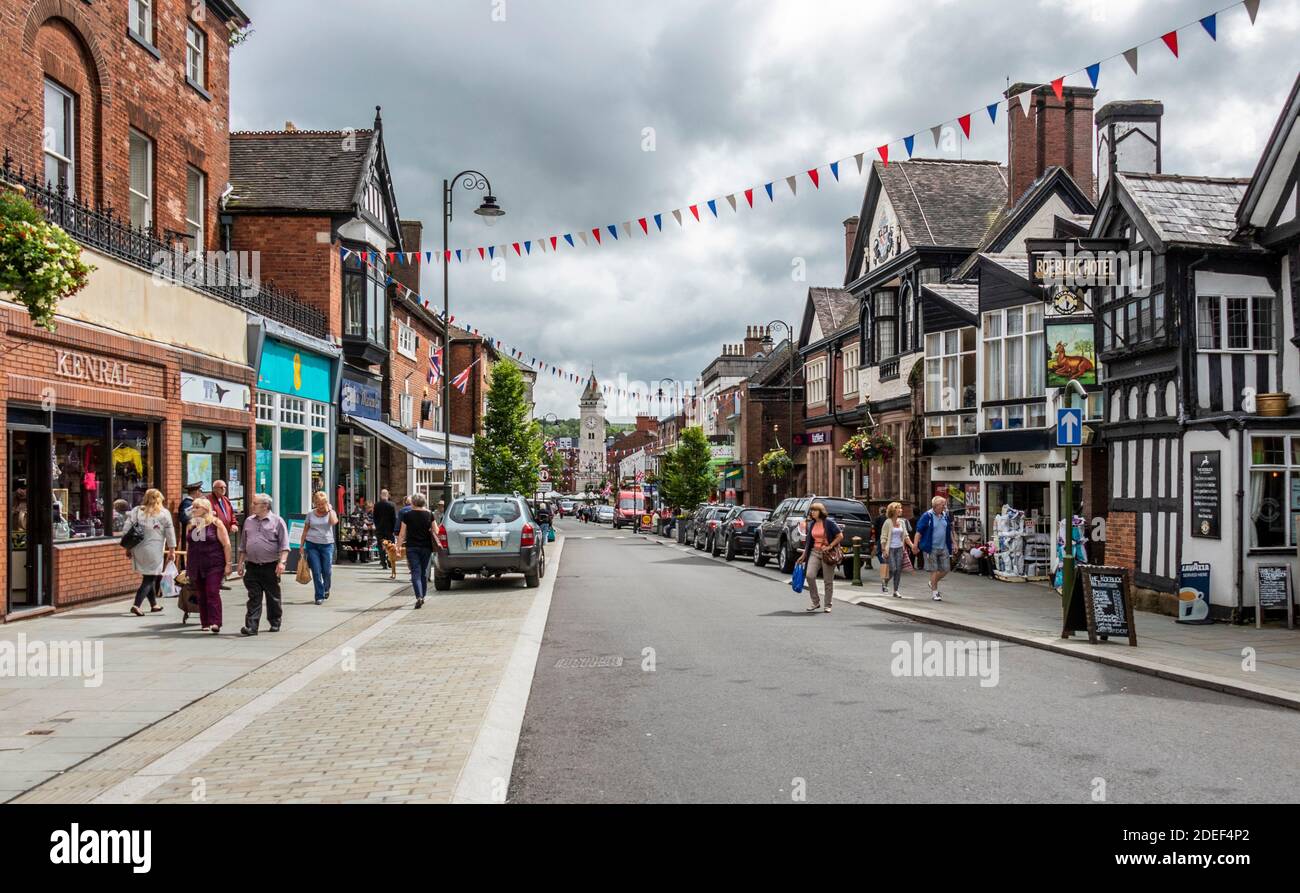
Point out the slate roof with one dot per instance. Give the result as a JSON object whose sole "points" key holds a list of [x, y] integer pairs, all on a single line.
{"points": [[965, 295], [1196, 211], [298, 170], [1017, 264], [833, 306], [945, 202], [592, 390], [778, 362]]}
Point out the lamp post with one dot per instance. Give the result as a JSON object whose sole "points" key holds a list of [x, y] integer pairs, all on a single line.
{"points": [[489, 210], [1067, 509]]}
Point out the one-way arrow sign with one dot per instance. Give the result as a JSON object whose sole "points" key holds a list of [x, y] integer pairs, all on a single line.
{"points": [[1069, 427]]}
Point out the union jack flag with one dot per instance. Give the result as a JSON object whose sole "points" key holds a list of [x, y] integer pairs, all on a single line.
{"points": [[460, 382], [435, 367]]}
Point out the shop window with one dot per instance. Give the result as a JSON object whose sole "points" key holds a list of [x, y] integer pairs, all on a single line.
{"points": [[263, 469], [1273, 502], [101, 470]]}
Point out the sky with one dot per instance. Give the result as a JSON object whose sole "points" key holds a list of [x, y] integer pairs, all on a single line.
{"points": [[585, 113]]}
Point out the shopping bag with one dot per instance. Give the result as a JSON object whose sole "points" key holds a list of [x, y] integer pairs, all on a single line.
{"points": [[796, 579], [304, 570], [907, 560], [169, 588], [550, 534]]}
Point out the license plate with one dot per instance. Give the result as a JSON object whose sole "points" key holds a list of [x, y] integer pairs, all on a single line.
{"points": [[484, 543]]}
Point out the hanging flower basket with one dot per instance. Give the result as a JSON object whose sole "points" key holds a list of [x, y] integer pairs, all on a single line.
{"points": [[775, 464], [40, 264], [863, 447]]}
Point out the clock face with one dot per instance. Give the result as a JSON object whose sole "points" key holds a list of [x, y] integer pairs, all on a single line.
{"points": [[591, 421]]}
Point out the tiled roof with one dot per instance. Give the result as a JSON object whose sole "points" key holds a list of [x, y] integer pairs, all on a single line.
{"points": [[778, 361], [592, 390], [1016, 264], [963, 294], [300, 170], [945, 202], [1199, 211], [833, 306]]}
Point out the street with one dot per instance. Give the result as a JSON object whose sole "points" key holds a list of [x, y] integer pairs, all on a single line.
{"points": [[749, 694]]}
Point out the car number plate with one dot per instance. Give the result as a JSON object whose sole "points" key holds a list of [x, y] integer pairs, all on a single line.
{"points": [[484, 543]]}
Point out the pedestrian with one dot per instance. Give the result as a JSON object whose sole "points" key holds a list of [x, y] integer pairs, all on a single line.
{"points": [[318, 544], [821, 553], [385, 525], [934, 541], [543, 517], [417, 538], [192, 492], [440, 512], [223, 509], [263, 553], [894, 539], [207, 561], [150, 556]]}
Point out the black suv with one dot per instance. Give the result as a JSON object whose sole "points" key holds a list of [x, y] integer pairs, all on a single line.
{"points": [[782, 534], [738, 530], [705, 528]]}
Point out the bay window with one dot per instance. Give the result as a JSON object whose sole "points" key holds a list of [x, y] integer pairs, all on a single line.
{"points": [[950, 382], [365, 303], [1273, 501], [1015, 368]]}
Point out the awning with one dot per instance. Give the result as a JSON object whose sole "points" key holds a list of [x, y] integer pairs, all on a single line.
{"points": [[391, 435]]}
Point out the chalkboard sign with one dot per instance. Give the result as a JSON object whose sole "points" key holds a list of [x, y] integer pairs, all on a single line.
{"points": [[1273, 592], [1100, 603], [1206, 486]]}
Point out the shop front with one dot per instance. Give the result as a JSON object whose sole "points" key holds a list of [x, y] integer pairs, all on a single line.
{"points": [[215, 434]]}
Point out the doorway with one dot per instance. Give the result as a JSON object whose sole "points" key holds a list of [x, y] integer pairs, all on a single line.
{"points": [[30, 529]]}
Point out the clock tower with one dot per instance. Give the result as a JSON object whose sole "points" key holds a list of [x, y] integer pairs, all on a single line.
{"points": [[591, 437]]}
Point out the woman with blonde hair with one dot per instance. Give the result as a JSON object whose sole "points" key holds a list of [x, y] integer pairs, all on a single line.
{"points": [[893, 540], [150, 555], [318, 544], [207, 561]]}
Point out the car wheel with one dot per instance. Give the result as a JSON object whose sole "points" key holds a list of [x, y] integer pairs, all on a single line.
{"points": [[533, 579], [760, 558], [785, 558], [441, 583], [713, 546], [730, 553], [699, 546]]}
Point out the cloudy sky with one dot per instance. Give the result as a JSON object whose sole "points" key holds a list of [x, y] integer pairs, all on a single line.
{"points": [[552, 100]]}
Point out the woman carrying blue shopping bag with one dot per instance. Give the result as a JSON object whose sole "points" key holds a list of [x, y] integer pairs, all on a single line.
{"points": [[821, 554]]}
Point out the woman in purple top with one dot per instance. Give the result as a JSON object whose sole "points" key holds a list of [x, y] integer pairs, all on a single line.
{"points": [[207, 561]]}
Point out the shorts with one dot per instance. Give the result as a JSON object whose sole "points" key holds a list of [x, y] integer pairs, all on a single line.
{"points": [[938, 561]]}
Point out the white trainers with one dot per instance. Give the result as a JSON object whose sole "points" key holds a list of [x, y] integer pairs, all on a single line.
{"points": [[936, 597]]}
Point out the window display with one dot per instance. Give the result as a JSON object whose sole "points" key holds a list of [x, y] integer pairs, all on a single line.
{"points": [[98, 463]]}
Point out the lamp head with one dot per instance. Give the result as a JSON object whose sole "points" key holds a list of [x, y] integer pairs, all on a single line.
{"points": [[489, 210]]}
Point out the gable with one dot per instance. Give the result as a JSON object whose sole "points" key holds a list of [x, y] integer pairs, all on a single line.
{"points": [[883, 239]]}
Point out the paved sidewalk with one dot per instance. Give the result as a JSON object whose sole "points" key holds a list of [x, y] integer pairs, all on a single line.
{"points": [[1030, 613]]}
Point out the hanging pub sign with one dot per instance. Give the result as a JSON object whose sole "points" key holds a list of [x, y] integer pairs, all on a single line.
{"points": [[1101, 603], [1206, 487], [1071, 352], [1273, 593]]}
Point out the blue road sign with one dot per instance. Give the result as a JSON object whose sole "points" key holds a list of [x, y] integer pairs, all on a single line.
{"points": [[1069, 427]]}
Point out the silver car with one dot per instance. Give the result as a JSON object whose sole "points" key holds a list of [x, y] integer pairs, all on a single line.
{"points": [[487, 535], [604, 514]]}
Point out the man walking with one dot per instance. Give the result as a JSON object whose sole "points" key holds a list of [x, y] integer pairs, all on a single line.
{"points": [[224, 510], [192, 492], [263, 551], [385, 525], [934, 540]]}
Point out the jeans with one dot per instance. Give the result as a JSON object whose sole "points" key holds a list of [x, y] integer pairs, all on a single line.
{"points": [[418, 558], [149, 584], [896, 565], [320, 557]]}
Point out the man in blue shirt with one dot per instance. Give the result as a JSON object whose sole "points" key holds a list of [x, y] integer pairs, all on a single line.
{"points": [[934, 538]]}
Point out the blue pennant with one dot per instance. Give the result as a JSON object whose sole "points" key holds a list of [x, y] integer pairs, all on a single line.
{"points": [[835, 170], [568, 237], [659, 222], [768, 187], [909, 141], [1094, 70], [993, 112], [613, 231], [528, 247], [492, 251], [1210, 25], [713, 206], [458, 258]]}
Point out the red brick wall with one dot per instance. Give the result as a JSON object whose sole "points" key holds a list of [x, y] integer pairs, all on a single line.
{"points": [[294, 257], [118, 84], [1056, 132], [1121, 540]]}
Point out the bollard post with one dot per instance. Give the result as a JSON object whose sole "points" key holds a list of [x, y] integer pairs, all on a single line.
{"points": [[857, 561]]}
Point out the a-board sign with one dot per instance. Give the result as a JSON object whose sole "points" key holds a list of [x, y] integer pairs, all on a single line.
{"points": [[1273, 592], [1101, 603]]}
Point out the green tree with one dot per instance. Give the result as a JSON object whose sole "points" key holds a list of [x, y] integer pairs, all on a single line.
{"points": [[508, 454], [688, 469]]}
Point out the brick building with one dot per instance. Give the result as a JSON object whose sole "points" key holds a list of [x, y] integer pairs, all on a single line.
{"points": [[829, 346]]}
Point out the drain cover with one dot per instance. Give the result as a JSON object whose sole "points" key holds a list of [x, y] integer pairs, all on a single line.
{"points": [[588, 663]]}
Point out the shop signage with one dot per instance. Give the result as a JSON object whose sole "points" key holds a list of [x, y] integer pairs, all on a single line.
{"points": [[361, 398], [213, 391], [1206, 486], [88, 367], [1101, 603], [721, 452], [1273, 592], [461, 458], [1194, 592], [1004, 468], [290, 370]]}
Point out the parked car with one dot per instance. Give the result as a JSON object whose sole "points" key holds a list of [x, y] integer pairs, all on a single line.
{"points": [[706, 526], [688, 526], [782, 534], [739, 531], [603, 514], [488, 535]]}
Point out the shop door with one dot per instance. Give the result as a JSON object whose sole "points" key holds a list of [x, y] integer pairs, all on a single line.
{"points": [[30, 528]]}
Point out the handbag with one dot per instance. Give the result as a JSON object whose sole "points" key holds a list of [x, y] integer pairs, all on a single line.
{"points": [[304, 569], [134, 535], [907, 559], [834, 556]]}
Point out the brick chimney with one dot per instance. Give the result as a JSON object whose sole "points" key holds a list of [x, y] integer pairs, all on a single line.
{"points": [[1128, 139], [850, 237], [1053, 133], [409, 274], [754, 336]]}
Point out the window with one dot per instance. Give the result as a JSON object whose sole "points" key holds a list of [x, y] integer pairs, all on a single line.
{"points": [[1015, 367], [141, 150], [406, 340], [1274, 497], [846, 483], [293, 411], [950, 382], [141, 22], [408, 411], [320, 419], [265, 406], [365, 304], [1235, 323], [886, 328], [196, 43], [195, 207], [815, 380], [851, 370], [60, 138], [101, 470]]}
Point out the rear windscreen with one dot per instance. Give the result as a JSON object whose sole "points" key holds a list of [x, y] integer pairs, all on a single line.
{"points": [[846, 509], [485, 511], [753, 516]]}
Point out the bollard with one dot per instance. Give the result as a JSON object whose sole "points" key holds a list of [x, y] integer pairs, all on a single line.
{"points": [[857, 561]]}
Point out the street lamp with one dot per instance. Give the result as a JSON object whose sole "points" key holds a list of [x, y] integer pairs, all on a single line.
{"points": [[489, 210]]}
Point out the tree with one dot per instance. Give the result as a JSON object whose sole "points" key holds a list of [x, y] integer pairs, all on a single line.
{"points": [[688, 470], [508, 454]]}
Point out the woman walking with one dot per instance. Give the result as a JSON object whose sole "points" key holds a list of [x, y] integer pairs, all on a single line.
{"points": [[894, 537], [417, 538], [819, 553], [207, 561], [150, 556], [318, 544]]}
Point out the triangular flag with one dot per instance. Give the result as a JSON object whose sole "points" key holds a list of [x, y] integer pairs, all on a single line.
{"points": [[480, 254], [568, 237], [835, 170], [1131, 57], [659, 222], [448, 255], [790, 181], [992, 109], [731, 200], [1210, 26], [645, 226], [964, 121], [713, 206], [883, 151], [344, 253], [908, 143], [596, 232], [770, 197], [627, 228], [749, 196], [1252, 7], [812, 175], [458, 257], [528, 246], [1058, 87], [518, 252], [695, 211], [582, 234], [613, 231], [936, 131], [1171, 41], [554, 240], [677, 215], [858, 159], [428, 257], [492, 251], [1093, 70], [1024, 101]]}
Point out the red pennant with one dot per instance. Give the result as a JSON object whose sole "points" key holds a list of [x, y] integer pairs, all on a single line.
{"points": [[749, 197], [596, 232], [554, 239], [695, 209], [392, 255], [481, 254], [884, 154], [644, 227], [1058, 87], [964, 121], [448, 257], [812, 175], [517, 251], [1171, 41]]}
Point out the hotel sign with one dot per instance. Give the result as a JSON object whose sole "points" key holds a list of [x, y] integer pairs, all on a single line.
{"points": [[88, 367]]}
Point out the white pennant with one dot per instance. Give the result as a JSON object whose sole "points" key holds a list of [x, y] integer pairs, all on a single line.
{"points": [[1252, 7], [791, 182], [1131, 57], [936, 131], [1024, 101], [582, 234], [627, 228], [858, 159], [731, 200], [677, 215]]}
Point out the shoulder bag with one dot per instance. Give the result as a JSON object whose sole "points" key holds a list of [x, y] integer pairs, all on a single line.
{"points": [[134, 534]]}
